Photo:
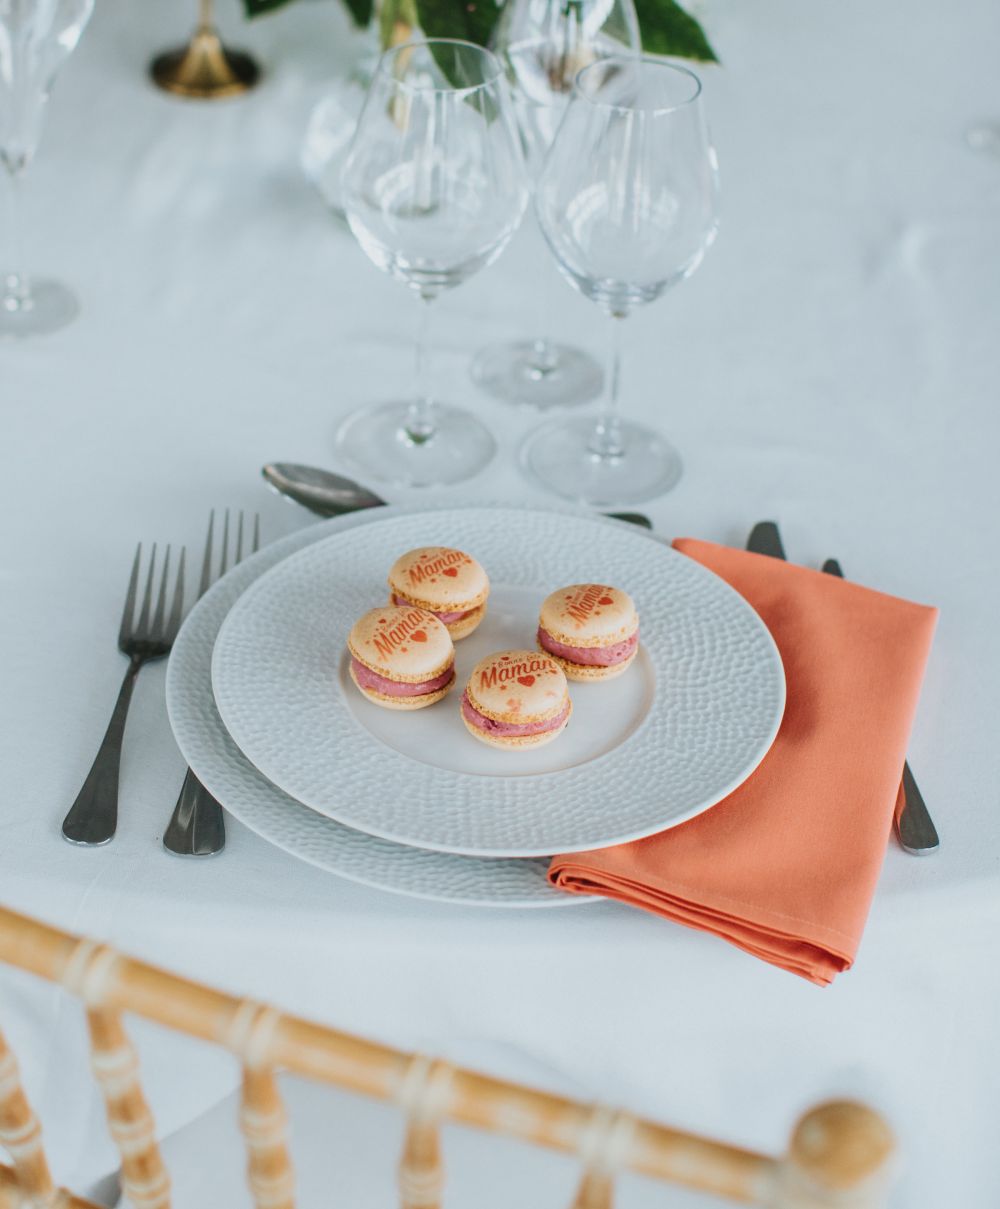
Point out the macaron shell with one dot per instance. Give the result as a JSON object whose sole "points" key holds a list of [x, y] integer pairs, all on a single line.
{"points": [[589, 615], [512, 741], [518, 686], [402, 703], [581, 672], [439, 578], [402, 643]]}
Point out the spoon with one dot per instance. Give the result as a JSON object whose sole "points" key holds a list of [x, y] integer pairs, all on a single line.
{"points": [[329, 494]]}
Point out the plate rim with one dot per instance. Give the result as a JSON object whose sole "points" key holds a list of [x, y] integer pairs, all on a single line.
{"points": [[662, 546]]}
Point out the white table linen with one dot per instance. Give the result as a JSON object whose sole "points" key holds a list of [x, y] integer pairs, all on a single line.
{"points": [[834, 364]]}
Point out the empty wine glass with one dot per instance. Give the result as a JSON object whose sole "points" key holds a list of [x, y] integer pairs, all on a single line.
{"points": [[36, 36], [543, 44], [627, 202], [433, 188]]}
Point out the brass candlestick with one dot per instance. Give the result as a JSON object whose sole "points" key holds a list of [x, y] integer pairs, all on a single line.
{"points": [[205, 68]]}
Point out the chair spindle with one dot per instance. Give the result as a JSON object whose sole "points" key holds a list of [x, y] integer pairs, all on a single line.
{"points": [[21, 1137], [605, 1147], [423, 1095]]}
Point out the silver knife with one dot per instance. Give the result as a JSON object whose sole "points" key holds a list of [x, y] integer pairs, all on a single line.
{"points": [[913, 824], [915, 828]]}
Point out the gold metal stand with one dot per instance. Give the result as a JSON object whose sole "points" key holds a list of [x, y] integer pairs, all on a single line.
{"points": [[205, 68]]}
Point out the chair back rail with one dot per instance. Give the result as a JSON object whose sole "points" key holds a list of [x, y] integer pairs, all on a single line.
{"points": [[840, 1154]]}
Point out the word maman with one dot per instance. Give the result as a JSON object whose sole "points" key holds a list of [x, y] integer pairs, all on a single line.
{"points": [[584, 603], [421, 571], [386, 641], [501, 673]]}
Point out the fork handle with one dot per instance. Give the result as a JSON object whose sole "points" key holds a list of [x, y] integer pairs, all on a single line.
{"points": [[93, 817], [196, 827]]}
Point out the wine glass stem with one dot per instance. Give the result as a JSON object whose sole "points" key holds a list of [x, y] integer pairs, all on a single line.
{"points": [[206, 15], [16, 292], [420, 421], [606, 439]]}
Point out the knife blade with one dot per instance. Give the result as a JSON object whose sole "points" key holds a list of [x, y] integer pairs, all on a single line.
{"points": [[915, 828]]}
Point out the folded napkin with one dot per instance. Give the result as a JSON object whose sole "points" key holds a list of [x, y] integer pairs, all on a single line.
{"points": [[786, 866]]}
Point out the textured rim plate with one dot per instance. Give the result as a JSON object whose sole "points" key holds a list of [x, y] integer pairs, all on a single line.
{"points": [[277, 818], [715, 702]]}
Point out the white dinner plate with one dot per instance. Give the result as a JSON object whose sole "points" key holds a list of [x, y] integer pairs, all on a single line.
{"points": [[684, 726], [231, 778]]}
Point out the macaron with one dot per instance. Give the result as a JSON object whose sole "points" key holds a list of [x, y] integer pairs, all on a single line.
{"points": [[448, 583], [516, 699], [401, 658], [592, 630]]}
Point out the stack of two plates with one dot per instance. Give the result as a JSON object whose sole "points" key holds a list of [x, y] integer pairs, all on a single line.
{"points": [[265, 713]]}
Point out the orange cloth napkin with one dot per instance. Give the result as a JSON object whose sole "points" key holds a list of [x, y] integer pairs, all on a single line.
{"points": [[786, 866]]}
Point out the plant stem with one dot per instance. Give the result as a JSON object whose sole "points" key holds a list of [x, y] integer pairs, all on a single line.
{"points": [[16, 288], [420, 421], [606, 441]]}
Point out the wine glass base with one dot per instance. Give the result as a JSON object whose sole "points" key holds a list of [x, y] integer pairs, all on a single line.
{"points": [[204, 69], [48, 307], [375, 441], [558, 457], [511, 372]]}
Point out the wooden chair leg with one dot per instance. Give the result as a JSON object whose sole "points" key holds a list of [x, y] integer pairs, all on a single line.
{"points": [[605, 1147], [21, 1136], [423, 1095], [116, 1068], [840, 1157]]}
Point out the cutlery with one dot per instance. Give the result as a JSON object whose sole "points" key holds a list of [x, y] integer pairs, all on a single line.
{"points": [[93, 817], [329, 494], [197, 826], [914, 828]]}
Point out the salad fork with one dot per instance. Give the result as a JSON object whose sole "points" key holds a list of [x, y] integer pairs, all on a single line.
{"points": [[93, 817], [197, 826]]}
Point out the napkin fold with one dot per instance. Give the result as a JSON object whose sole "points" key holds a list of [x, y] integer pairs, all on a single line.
{"points": [[786, 866]]}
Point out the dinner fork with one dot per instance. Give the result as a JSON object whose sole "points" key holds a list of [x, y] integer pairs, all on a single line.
{"points": [[93, 817], [197, 826]]}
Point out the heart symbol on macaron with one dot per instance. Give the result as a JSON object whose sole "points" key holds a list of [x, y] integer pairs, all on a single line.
{"points": [[605, 600], [419, 636], [527, 681], [451, 572]]}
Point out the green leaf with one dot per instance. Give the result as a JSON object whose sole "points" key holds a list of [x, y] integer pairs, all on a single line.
{"points": [[471, 20], [254, 8], [668, 30], [361, 11]]}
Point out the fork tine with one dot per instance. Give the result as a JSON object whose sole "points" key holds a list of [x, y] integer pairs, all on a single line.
{"points": [[239, 539], [128, 613], [161, 600], [177, 608], [223, 563], [142, 626], [256, 533], [206, 562]]}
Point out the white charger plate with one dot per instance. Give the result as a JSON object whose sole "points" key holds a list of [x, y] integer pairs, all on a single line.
{"points": [[681, 729], [232, 779]]}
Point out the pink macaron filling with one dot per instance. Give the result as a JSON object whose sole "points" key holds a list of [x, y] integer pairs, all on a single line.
{"points": [[366, 678], [589, 656], [509, 730], [445, 617]]}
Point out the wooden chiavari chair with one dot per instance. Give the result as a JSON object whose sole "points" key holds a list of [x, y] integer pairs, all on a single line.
{"points": [[840, 1153]]}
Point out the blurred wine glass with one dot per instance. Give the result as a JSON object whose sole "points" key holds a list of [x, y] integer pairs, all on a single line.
{"points": [[543, 44], [627, 202], [433, 188], [205, 68], [36, 37]]}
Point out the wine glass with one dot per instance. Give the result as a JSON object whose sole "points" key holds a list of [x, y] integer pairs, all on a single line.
{"points": [[433, 188], [36, 36], [543, 44], [627, 202]]}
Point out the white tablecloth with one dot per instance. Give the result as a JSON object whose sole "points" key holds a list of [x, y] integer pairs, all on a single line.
{"points": [[834, 364]]}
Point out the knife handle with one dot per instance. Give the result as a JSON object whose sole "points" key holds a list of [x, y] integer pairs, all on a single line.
{"points": [[915, 828]]}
